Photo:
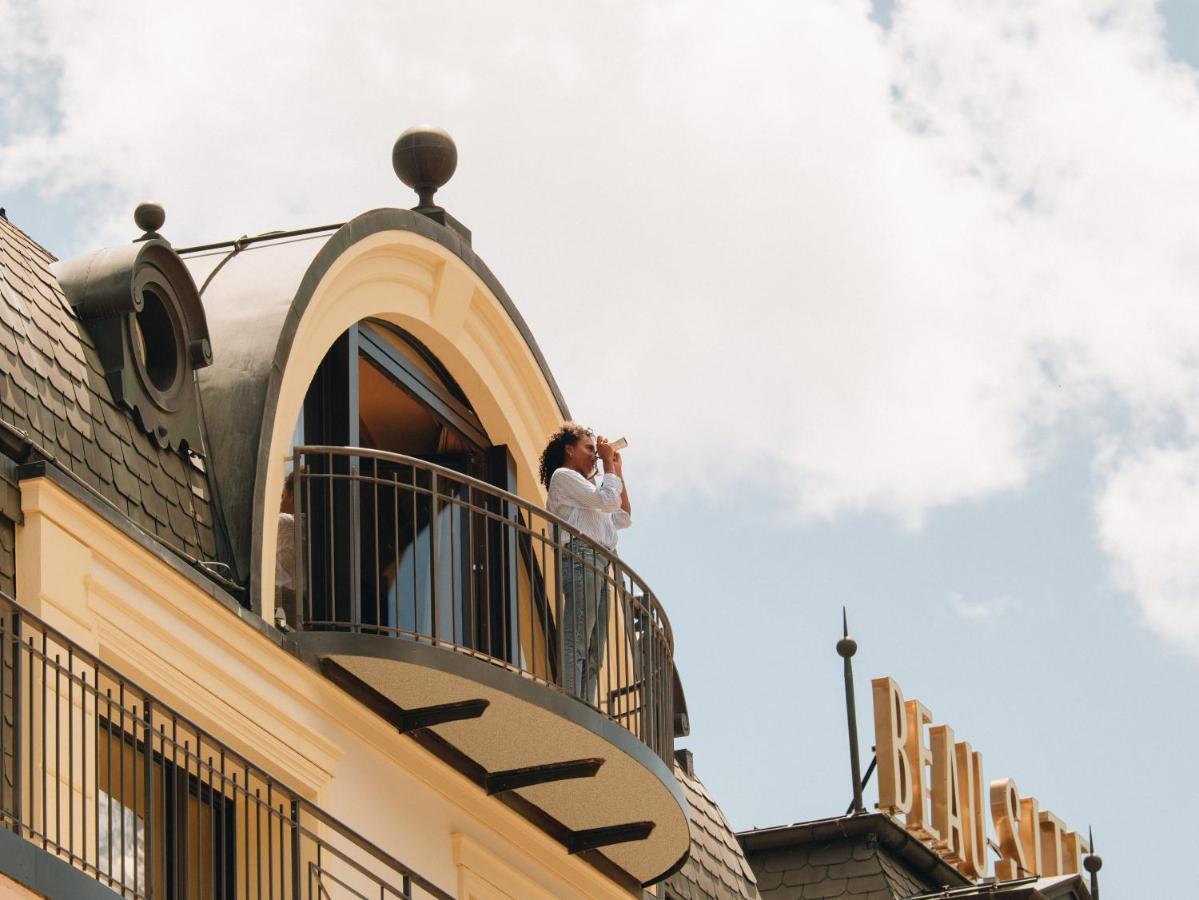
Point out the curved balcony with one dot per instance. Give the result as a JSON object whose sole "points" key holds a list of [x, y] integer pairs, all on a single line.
{"points": [[528, 656]]}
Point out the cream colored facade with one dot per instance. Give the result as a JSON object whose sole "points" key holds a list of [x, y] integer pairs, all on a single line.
{"points": [[124, 603], [179, 600]]}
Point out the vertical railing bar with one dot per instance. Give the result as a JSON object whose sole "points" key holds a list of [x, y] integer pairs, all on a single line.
{"points": [[107, 780], [354, 488], [18, 781], [224, 820], [134, 718], [207, 785], [545, 605], [559, 605], [616, 647], [452, 512], [4, 666], [472, 602], [504, 600], [378, 572], [396, 613], [32, 715], [57, 754], [4, 702], [258, 833], [121, 774], [245, 805], [415, 557], [331, 549], [490, 578], [270, 839], [45, 799], [309, 553], [435, 567], [70, 747], [148, 789], [295, 849], [183, 852]]}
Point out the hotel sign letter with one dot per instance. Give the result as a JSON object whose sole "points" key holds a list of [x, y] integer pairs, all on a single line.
{"points": [[891, 738], [936, 785]]}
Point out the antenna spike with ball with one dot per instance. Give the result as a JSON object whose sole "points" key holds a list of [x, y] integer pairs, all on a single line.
{"points": [[1092, 862], [846, 648]]}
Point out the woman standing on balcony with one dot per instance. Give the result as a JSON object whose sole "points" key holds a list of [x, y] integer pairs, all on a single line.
{"points": [[597, 510]]}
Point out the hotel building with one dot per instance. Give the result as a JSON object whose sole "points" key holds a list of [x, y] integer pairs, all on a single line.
{"points": [[282, 611]]}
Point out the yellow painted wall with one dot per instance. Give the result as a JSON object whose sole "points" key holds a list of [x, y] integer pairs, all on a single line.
{"points": [[120, 601], [11, 890]]}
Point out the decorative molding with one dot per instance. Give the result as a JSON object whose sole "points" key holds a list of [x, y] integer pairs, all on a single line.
{"points": [[500, 880]]}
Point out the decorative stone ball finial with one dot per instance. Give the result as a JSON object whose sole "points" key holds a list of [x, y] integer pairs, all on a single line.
{"points": [[847, 647], [424, 157], [149, 217]]}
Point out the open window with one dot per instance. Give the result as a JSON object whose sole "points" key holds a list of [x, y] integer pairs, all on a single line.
{"points": [[408, 542]]}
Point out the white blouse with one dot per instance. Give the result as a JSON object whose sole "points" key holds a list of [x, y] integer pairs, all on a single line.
{"points": [[594, 509]]}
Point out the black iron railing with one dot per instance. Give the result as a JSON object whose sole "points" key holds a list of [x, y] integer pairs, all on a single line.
{"points": [[396, 546], [99, 772]]}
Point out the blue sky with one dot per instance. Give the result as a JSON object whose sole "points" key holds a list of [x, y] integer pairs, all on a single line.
{"points": [[896, 306]]}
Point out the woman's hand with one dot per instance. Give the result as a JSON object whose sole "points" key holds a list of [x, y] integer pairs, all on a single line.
{"points": [[605, 452]]}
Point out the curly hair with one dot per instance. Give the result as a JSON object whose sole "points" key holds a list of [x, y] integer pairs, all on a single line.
{"points": [[553, 457]]}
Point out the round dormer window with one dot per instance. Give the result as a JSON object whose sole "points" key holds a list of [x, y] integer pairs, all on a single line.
{"points": [[157, 337]]}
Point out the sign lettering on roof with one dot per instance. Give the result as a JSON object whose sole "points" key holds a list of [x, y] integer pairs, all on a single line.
{"points": [[935, 783]]}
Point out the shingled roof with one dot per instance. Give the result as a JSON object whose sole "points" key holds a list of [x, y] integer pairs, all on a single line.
{"points": [[716, 869], [52, 389], [867, 856]]}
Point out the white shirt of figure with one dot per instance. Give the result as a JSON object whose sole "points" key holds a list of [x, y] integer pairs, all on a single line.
{"points": [[594, 509]]}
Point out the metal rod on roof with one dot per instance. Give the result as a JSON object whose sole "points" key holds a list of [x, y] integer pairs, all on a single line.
{"points": [[865, 780], [255, 238], [1092, 862], [846, 648]]}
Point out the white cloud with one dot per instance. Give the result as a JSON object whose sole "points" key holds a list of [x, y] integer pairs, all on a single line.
{"points": [[886, 269], [1149, 526], [986, 609]]}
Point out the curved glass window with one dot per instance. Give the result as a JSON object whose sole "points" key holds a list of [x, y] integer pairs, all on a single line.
{"points": [[386, 546]]}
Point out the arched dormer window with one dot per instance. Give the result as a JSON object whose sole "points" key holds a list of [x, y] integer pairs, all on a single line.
{"points": [[381, 528]]}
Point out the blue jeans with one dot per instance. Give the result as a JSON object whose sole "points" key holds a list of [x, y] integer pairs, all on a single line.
{"points": [[584, 618]]}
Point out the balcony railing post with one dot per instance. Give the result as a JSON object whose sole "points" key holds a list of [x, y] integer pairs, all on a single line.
{"points": [[295, 849], [16, 718], [559, 605], [148, 790], [353, 483], [435, 568]]}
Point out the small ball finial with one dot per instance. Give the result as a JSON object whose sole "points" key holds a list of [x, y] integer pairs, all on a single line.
{"points": [[1092, 862], [847, 647], [149, 217], [425, 157]]}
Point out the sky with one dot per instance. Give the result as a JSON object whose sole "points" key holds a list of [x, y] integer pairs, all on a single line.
{"points": [[897, 304]]}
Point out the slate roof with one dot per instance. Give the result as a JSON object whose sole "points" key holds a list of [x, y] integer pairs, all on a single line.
{"points": [[52, 388], [854, 869], [860, 857], [716, 869]]}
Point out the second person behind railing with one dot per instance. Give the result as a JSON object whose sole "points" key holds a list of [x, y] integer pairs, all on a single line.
{"points": [[598, 510]]}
